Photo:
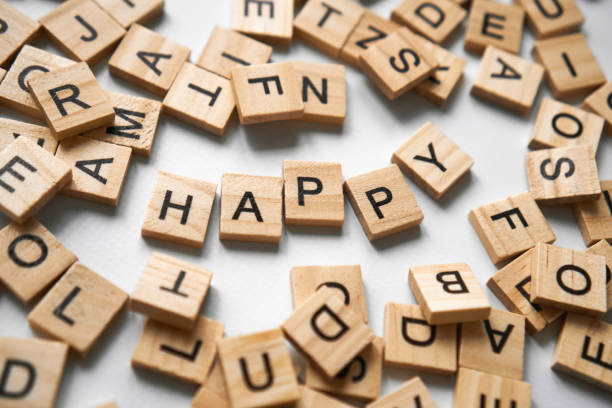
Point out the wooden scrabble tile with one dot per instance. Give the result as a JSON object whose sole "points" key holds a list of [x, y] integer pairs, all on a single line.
{"points": [[496, 24], [370, 29], [258, 370], [397, 63], [569, 280], [29, 177], [148, 60], [512, 286], [432, 160], [603, 248], [31, 371], [227, 49], [411, 343], [267, 92], [71, 100], [323, 91], [82, 30], [411, 393], [78, 309], [434, 19], [571, 67], [269, 20], [475, 387], [508, 80], [582, 347], [179, 209], [360, 379], [135, 123], [199, 97], [41, 135], [171, 291], [383, 202], [313, 193], [31, 259], [563, 175], [552, 18], [185, 355], [330, 333], [448, 293], [15, 30], [30, 63], [214, 392], [251, 208], [132, 11], [509, 227], [313, 399], [98, 169], [600, 102], [595, 217]]}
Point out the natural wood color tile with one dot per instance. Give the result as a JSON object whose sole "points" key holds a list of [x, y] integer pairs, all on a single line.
{"points": [[214, 392], [132, 11], [434, 19], [603, 248], [600, 102], [552, 18], [323, 91], [475, 387], [413, 392], [270, 21], [493, 23], [16, 29], [41, 135], [595, 217]]}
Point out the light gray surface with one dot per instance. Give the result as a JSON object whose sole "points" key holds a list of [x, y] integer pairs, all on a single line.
{"points": [[251, 282]]}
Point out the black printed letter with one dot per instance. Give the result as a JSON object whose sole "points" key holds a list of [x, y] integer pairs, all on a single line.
{"points": [[302, 192], [342, 327], [73, 98], [377, 204], [446, 284]]}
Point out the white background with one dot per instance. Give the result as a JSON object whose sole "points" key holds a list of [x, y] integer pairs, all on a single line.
{"points": [[250, 289]]}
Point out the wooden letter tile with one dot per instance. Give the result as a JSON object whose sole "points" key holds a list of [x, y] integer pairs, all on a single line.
{"points": [[31, 371], [186, 355], [15, 30], [412, 393], [383, 202], [251, 208], [41, 135], [552, 18], [563, 175], [179, 209], [266, 20], [29, 177], [148, 60], [201, 98], [323, 92], [313, 399], [434, 19], [477, 389], [214, 392], [31, 259], [603, 248], [132, 11], [432, 160], [313, 193], [171, 291], [569, 280], [600, 102], [78, 309], [595, 217], [258, 370], [493, 23], [411, 343], [448, 293]]}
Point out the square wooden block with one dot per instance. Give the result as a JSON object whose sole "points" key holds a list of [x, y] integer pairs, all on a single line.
{"points": [[434, 19], [129, 12], [313, 399], [258, 370], [31, 371], [603, 248], [397, 63], [270, 20], [329, 332], [98, 169], [78, 309], [179, 209], [148, 60], [595, 217], [313, 193], [31, 259], [477, 389], [16, 29], [267, 92], [496, 24], [571, 67], [581, 348], [185, 355], [432, 160], [383, 202], [569, 280], [508, 80], [323, 92], [201, 98], [412, 343], [29, 177], [227, 49], [600, 102], [512, 286], [30, 63], [448, 293], [509, 227], [251, 208], [563, 175], [171, 291], [135, 123], [71, 100], [550, 19], [41, 135], [413, 392], [82, 30]]}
